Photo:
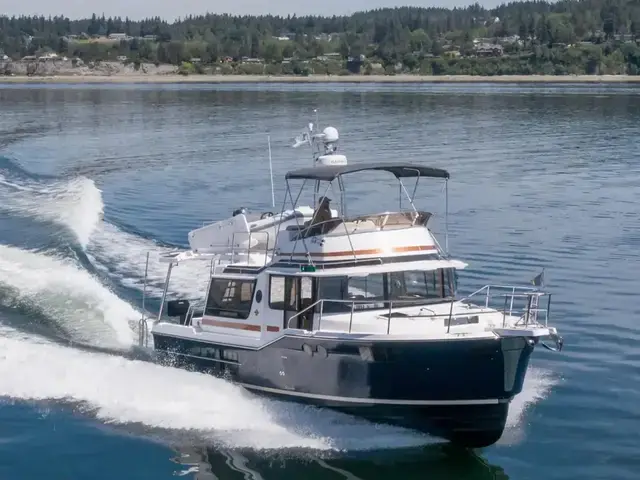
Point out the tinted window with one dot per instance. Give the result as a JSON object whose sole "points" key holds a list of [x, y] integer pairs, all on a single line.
{"points": [[374, 291], [230, 298], [333, 288], [419, 285], [365, 290]]}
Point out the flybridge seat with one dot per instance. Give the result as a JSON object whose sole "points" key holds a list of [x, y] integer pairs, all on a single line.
{"points": [[365, 223]]}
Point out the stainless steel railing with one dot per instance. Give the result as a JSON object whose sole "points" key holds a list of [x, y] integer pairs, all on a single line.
{"points": [[530, 311], [527, 316]]}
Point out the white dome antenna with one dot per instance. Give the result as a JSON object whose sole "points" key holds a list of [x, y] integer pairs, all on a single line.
{"points": [[322, 144], [330, 135]]}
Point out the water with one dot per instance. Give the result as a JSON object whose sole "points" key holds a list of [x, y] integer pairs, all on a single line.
{"points": [[91, 178]]}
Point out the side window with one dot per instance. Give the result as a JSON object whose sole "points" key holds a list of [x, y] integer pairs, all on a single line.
{"points": [[434, 284], [438, 291], [276, 292], [230, 298], [450, 277], [366, 290], [371, 286], [306, 292], [332, 288], [416, 284]]}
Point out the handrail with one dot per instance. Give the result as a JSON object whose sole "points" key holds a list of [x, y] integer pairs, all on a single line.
{"points": [[249, 247], [529, 315], [232, 249], [304, 230], [143, 328], [303, 311]]}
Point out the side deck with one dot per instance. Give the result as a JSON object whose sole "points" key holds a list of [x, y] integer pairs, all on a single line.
{"points": [[491, 311]]}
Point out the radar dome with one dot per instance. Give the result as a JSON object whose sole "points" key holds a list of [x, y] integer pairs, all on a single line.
{"points": [[330, 134]]}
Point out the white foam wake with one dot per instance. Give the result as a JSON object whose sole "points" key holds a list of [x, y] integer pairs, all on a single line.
{"points": [[122, 256], [537, 386], [59, 290], [538, 383], [117, 390], [75, 204], [174, 402]]}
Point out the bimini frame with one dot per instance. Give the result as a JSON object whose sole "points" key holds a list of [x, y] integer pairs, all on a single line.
{"points": [[336, 172]]}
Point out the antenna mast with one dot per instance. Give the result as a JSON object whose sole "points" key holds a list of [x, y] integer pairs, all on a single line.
{"points": [[273, 193], [323, 144]]}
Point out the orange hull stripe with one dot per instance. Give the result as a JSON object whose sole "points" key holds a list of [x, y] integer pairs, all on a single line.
{"points": [[414, 248], [236, 325], [371, 251]]}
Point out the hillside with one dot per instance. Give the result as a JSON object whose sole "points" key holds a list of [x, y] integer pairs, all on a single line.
{"points": [[568, 37]]}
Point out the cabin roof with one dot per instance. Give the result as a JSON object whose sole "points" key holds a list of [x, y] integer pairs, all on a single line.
{"points": [[234, 276], [400, 170], [364, 270]]}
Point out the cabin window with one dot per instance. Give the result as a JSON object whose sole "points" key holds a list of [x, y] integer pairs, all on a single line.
{"points": [[333, 288], [366, 290], [419, 286], [450, 282], [306, 292], [282, 292], [376, 290], [276, 293], [230, 298]]}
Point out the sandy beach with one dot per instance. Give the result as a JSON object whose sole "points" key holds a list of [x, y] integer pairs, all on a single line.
{"points": [[212, 79]]}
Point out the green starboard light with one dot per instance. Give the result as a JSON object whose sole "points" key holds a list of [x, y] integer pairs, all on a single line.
{"points": [[307, 268]]}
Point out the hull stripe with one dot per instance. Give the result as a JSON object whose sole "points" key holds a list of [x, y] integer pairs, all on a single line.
{"points": [[237, 325], [370, 251], [377, 401], [234, 325]]}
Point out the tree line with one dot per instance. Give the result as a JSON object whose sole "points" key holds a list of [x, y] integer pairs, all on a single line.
{"points": [[569, 36]]}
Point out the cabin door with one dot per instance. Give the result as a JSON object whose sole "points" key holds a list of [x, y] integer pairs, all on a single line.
{"points": [[298, 296]]}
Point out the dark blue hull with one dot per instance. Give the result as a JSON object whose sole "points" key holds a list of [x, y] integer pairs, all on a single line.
{"points": [[455, 389]]}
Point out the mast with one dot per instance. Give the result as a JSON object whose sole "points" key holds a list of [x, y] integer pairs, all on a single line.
{"points": [[324, 147]]}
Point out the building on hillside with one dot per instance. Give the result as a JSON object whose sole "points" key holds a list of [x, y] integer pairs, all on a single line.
{"points": [[354, 64], [488, 50]]}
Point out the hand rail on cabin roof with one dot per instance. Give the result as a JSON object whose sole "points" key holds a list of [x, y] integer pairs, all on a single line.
{"points": [[308, 229]]}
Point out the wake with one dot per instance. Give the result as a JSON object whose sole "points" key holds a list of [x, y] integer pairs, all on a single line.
{"points": [[76, 206], [57, 289]]}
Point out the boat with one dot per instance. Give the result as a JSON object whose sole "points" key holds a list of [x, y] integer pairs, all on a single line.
{"points": [[359, 313]]}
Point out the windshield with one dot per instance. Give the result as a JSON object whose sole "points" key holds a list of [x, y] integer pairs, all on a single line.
{"points": [[406, 288]]}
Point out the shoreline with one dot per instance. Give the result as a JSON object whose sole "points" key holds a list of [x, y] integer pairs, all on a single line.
{"points": [[388, 79]]}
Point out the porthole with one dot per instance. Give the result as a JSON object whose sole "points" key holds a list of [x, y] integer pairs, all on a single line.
{"points": [[259, 296]]}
